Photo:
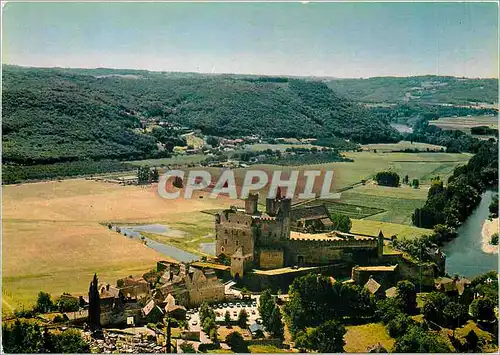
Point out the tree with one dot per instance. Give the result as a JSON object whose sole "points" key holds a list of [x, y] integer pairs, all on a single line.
{"points": [[143, 175], [340, 222], [483, 309], [44, 303], [417, 340], [266, 306], [407, 293], [406, 179], [227, 318], [206, 312], [69, 341], [434, 305], [494, 239], [275, 324], [154, 175], [301, 341], [387, 178], [187, 348], [208, 325], [314, 299], [389, 308], [68, 304], [327, 338], [455, 314], [399, 325], [443, 233], [25, 337], [494, 207], [415, 183], [213, 141], [236, 342], [22, 337], [242, 318]]}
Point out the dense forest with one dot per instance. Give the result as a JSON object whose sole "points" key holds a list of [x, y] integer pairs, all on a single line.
{"points": [[422, 89], [57, 115]]}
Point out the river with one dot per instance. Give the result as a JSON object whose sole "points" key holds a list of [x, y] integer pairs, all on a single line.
{"points": [[165, 249], [464, 255]]}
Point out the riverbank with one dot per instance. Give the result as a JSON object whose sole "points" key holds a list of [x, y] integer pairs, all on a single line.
{"points": [[489, 228]]}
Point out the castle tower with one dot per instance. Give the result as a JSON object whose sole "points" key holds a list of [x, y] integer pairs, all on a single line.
{"points": [[272, 203], [251, 204], [284, 216]]}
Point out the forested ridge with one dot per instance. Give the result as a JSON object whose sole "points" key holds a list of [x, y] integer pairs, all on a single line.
{"points": [[421, 89], [57, 115]]}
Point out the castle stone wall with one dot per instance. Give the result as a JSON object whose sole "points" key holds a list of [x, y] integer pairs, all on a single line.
{"points": [[271, 259]]}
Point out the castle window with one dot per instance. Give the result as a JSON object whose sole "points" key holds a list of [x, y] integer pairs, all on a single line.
{"points": [[225, 241], [244, 234], [237, 242], [222, 249]]}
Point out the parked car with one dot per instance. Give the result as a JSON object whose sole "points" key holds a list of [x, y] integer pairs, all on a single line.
{"points": [[224, 304], [238, 304], [194, 323], [253, 311], [188, 317], [258, 321]]}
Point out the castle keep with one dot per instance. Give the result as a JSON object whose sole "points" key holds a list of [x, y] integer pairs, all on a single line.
{"points": [[282, 236]]}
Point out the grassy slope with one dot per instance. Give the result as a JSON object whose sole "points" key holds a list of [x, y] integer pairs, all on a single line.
{"points": [[389, 229], [359, 337]]}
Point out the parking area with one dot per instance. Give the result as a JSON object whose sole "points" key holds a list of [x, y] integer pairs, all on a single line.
{"points": [[233, 307]]}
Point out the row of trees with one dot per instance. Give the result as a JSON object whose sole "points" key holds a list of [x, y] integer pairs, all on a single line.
{"points": [[271, 314], [23, 337], [147, 175], [45, 304], [453, 203], [315, 299], [207, 321], [392, 179], [15, 173]]}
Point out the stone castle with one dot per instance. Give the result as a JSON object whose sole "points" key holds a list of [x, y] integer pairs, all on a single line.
{"points": [[283, 236]]}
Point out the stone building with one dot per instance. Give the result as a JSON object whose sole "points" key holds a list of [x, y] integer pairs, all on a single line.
{"points": [[282, 236], [189, 285]]}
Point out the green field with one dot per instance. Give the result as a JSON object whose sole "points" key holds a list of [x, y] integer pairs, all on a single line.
{"points": [[421, 166], [391, 147], [401, 231], [465, 123], [397, 209], [353, 211]]}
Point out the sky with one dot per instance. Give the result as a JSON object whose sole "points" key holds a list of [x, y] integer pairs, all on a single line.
{"points": [[312, 39]]}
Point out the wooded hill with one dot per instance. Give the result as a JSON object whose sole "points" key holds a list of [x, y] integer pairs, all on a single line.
{"points": [[423, 89], [54, 115]]}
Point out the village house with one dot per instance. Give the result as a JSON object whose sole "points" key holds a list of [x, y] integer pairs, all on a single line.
{"points": [[189, 285]]}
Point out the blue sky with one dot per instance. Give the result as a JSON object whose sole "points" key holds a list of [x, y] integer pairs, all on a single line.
{"points": [[319, 39]]}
